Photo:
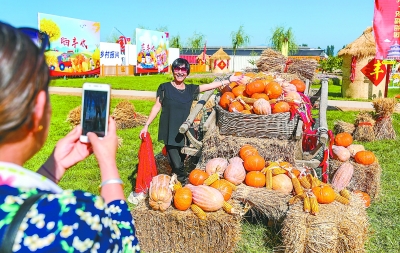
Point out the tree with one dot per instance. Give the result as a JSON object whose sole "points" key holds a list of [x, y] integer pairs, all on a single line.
{"points": [[330, 64], [50, 28], [239, 39], [113, 37], [175, 42], [283, 40], [195, 42], [330, 50]]}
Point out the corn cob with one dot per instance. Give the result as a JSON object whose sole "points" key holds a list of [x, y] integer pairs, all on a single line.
{"points": [[211, 179], [296, 198], [310, 179], [297, 186], [314, 205], [234, 187], [271, 165], [341, 199], [228, 208], [268, 179], [315, 182], [304, 182], [277, 171], [307, 204], [246, 106], [198, 212], [177, 185], [345, 193]]}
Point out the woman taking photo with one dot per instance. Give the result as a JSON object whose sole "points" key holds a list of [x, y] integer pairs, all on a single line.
{"points": [[175, 99], [35, 213]]}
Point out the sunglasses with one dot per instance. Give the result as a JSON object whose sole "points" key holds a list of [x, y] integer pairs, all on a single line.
{"points": [[41, 39], [183, 69]]}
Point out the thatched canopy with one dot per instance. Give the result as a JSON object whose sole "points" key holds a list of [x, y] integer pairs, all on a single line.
{"points": [[200, 56], [362, 47], [220, 55]]}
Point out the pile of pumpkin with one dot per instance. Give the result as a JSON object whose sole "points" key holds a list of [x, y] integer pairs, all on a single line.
{"points": [[261, 95]]}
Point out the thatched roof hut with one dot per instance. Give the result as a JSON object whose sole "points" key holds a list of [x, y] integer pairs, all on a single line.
{"points": [[359, 52], [200, 58], [220, 61]]}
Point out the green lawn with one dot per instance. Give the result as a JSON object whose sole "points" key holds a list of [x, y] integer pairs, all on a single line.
{"points": [[256, 237]]}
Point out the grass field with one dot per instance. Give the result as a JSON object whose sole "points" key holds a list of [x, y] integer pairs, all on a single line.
{"points": [[384, 214]]}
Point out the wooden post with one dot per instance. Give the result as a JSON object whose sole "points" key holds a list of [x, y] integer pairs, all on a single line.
{"points": [[116, 70]]}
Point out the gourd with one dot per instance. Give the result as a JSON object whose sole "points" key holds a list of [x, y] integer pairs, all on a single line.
{"points": [[247, 150], [160, 195], [343, 139], [260, 95], [254, 163], [288, 87], [300, 85], [324, 193], [341, 153], [262, 107], [235, 173], [280, 107], [365, 157], [197, 176], [226, 99], [257, 86], [282, 183], [206, 197], [183, 198], [365, 197], [216, 165], [239, 90], [235, 106], [342, 176], [354, 148], [273, 90], [255, 179], [224, 188], [293, 96]]}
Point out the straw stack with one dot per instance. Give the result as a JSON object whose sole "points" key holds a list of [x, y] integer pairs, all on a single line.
{"points": [[384, 108], [74, 116], [364, 127], [126, 117], [343, 127]]}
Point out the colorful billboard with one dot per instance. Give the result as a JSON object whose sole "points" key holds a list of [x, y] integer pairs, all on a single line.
{"points": [[152, 51], [75, 45]]}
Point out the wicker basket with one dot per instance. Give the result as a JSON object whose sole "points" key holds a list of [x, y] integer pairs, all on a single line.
{"points": [[277, 125]]}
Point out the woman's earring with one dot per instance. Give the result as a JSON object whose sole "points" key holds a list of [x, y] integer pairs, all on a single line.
{"points": [[40, 128]]}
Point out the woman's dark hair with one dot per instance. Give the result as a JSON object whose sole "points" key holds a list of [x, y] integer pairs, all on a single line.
{"points": [[179, 62], [23, 74]]}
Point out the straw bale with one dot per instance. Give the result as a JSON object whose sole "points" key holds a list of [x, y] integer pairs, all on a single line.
{"points": [[126, 117], [365, 178], [270, 203], [182, 231], [227, 146], [364, 130], [336, 228], [343, 127], [384, 108], [362, 47], [74, 116]]}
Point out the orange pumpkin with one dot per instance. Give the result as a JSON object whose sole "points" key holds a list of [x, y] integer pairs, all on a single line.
{"points": [[324, 193], [255, 179], [229, 87], [343, 139], [236, 106], [282, 183], [257, 86], [281, 107], [247, 150], [237, 73], [366, 198], [294, 172], [254, 163], [183, 198], [223, 187], [197, 177], [250, 74], [273, 90], [260, 95], [238, 90], [226, 99], [365, 157], [300, 85]]}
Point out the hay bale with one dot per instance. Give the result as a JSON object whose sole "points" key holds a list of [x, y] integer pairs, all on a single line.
{"points": [[125, 116], [227, 146], [337, 228], [384, 108], [269, 203], [364, 127], [343, 127], [182, 231], [74, 116], [365, 178]]}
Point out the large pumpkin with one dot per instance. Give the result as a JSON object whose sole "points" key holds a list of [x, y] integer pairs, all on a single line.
{"points": [[247, 150], [300, 85], [236, 106], [235, 173], [257, 86], [239, 90], [324, 193], [260, 95], [183, 198], [273, 90], [206, 197], [226, 99], [197, 176], [223, 187], [160, 195], [254, 163], [255, 179], [365, 157], [282, 183], [280, 107], [343, 139], [216, 165], [262, 107]]}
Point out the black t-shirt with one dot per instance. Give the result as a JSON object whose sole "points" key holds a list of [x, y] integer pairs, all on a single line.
{"points": [[176, 105]]}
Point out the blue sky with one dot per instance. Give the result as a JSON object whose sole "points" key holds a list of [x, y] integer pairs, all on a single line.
{"points": [[315, 23]]}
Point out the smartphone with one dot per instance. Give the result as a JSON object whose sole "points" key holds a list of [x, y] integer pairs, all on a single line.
{"points": [[95, 109]]}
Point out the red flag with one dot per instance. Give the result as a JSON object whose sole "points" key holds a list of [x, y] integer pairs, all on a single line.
{"points": [[386, 29], [204, 53], [375, 71]]}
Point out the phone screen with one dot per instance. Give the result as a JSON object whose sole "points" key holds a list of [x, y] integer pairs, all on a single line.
{"points": [[94, 112]]}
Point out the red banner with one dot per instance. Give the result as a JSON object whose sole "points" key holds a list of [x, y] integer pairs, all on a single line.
{"points": [[375, 71], [387, 29]]}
